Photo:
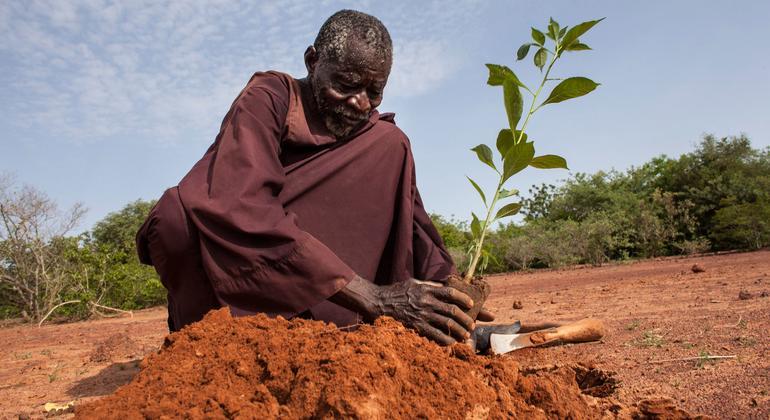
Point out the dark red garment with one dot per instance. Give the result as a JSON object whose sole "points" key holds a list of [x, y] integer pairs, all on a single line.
{"points": [[278, 215]]}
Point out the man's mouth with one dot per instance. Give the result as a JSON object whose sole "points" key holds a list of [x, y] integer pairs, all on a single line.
{"points": [[348, 117]]}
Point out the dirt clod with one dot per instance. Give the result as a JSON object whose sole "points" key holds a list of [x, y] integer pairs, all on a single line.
{"points": [[697, 269], [517, 304], [745, 295], [116, 346], [270, 368]]}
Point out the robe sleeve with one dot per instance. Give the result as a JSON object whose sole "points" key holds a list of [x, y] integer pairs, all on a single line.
{"points": [[431, 259], [255, 255]]}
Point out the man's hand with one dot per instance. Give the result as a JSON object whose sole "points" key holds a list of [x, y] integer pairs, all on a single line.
{"points": [[485, 316], [433, 310]]}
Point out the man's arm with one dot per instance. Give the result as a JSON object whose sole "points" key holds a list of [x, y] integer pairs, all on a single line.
{"points": [[254, 253]]}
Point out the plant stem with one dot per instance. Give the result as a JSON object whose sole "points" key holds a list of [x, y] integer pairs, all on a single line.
{"points": [[478, 245], [532, 108]]}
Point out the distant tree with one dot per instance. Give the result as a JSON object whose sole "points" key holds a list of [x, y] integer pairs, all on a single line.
{"points": [[742, 225], [118, 229], [718, 170], [33, 265], [538, 204], [112, 251], [454, 233]]}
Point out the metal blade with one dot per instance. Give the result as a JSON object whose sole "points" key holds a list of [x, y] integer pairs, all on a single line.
{"points": [[504, 343]]}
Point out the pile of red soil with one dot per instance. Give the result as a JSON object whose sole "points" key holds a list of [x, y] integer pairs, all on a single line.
{"points": [[258, 367]]}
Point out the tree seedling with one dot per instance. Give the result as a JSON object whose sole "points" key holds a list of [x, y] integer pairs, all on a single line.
{"points": [[516, 150]]}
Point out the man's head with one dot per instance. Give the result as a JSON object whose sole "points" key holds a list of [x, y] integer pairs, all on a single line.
{"points": [[348, 66]]}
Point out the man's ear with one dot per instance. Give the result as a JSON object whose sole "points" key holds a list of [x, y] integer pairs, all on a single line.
{"points": [[311, 59]]}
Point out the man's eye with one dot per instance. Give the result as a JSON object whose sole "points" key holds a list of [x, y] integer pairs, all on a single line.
{"points": [[345, 87], [374, 93]]}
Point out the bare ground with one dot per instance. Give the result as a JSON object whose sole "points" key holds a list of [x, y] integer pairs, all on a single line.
{"points": [[654, 310]]}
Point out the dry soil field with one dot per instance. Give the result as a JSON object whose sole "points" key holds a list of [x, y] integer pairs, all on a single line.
{"points": [[657, 312]]}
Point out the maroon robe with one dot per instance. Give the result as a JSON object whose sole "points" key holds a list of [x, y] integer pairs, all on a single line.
{"points": [[278, 215]]}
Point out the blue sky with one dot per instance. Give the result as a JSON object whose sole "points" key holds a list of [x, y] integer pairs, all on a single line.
{"points": [[104, 102]]}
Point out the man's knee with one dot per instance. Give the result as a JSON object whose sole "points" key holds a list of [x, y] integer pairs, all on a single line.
{"points": [[167, 238]]}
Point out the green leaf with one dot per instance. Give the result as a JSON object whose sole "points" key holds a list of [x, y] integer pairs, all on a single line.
{"points": [[476, 186], [498, 74], [514, 103], [570, 88], [562, 31], [508, 210], [549, 162], [523, 51], [484, 154], [538, 37], [541, 56], [475, 226], [574, 33], [517, 158], [553, 29], [506, 193], [504, 141], [577, 46]]}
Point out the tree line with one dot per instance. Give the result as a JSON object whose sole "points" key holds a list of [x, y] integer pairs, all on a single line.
{"points": [[714, 198]]}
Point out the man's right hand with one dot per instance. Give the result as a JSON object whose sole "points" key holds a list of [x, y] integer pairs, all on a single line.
{"points": [[433, 310]]}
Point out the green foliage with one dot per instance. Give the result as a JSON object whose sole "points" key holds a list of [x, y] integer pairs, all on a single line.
{"points": [[742, 225], [98, 267], [118, 229], [111, 251], [570, 88], [716, 197], [453, 232]]}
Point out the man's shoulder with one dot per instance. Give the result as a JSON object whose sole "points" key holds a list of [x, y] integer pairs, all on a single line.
{"points": [[386, 122], [272, 80], [272, 85]]}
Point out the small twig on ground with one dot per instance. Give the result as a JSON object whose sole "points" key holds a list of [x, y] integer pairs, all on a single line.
{"points": [[39, 324], [350, 327], [112, 309], [687, 359]]}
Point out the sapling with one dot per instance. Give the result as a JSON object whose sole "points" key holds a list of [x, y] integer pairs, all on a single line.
{"points": [[515, 149]]}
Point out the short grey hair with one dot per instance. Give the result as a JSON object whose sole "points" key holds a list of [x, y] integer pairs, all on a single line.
{"points": [[341, 27]]}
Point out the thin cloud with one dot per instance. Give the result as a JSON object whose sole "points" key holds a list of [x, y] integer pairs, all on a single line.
{"points": [[99, 70]]}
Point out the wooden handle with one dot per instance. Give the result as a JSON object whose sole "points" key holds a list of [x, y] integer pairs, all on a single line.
{"points": [[577, 332]]}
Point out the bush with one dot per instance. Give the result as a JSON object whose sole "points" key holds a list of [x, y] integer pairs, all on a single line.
{"points": [[713, 198], [742, 225]]}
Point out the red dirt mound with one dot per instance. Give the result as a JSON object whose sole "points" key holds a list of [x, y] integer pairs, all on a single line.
{"points": [[258, 367]]}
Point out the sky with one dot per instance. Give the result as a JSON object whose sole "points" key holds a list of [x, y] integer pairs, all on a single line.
{"points": [[106, 102]]}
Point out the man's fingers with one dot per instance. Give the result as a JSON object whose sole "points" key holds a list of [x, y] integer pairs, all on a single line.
{"points": [[449, 326], [452, 295], [455, 313], [485, 316], [434, 334]]}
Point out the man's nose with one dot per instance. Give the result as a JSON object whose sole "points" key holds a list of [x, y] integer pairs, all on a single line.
{"points": [[360, 102]]}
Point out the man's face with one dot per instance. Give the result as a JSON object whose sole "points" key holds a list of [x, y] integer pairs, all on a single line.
{"points": [[347, 90]]}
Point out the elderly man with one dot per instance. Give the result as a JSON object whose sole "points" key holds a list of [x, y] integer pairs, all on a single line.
{"points": [[306, 203]]}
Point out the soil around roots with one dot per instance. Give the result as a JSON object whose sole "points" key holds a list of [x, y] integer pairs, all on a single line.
{"points": [[259, 367]]}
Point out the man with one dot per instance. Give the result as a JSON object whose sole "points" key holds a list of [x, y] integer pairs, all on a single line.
{"points": [[306, 203]]}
